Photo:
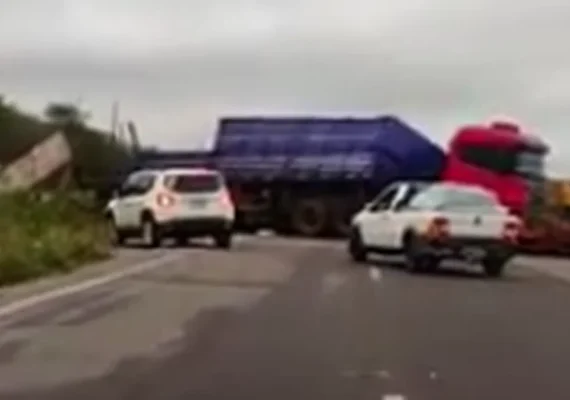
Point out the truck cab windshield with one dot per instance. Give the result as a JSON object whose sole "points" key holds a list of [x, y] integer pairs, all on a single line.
{"points": [[526, 163]]}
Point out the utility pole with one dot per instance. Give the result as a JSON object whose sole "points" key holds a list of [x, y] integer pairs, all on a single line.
{"points": [[114, 119]]}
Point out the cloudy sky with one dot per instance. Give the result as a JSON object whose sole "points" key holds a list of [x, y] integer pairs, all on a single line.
{"points": [[176, 65]]}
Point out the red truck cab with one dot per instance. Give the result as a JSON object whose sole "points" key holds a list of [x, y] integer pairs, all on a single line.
{"points": [[502, 159]]}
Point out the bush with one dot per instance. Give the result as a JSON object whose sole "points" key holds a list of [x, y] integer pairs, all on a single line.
{"points": [[42, 235]]}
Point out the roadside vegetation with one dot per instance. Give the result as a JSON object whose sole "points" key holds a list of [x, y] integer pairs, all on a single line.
{"points": [[42, 235], [52, 229]]}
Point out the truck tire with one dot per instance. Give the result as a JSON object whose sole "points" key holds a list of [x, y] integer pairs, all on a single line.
{"points": [[356, 247], [494, 267], [309, 217]]}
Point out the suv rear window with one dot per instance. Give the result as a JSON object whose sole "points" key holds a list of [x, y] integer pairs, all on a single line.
{"points": [[203, 183]]}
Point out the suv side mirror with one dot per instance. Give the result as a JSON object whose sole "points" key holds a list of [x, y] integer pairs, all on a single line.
{"points": [[377, 207], [124, 191]]}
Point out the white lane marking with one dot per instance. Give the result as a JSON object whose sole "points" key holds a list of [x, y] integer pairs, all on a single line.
{"points": [[375, 274], [382, 374], [332, 282], [137, 268], [377, 374], [393, 397]]}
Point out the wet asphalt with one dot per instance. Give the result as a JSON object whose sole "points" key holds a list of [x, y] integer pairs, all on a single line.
{"points": [[284, 319]]}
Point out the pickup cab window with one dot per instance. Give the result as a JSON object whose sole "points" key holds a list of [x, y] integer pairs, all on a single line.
{"points": [[445, 198], [384, 200]]}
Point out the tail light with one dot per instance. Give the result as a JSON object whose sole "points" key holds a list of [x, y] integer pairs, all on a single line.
{"points": [[165, 200], [438, 228], [225, 199], [511, 231]]}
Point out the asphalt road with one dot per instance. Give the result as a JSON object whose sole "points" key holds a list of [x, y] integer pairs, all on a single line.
{"points": [[286, 319]]}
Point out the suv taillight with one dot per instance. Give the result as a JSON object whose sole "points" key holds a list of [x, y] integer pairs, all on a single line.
{"points": [[225, 199], [165, 200]]}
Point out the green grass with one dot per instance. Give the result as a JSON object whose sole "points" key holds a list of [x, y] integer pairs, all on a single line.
{"points": [[45, 236]]}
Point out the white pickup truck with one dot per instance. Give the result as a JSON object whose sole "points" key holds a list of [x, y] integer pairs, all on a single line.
{"points": [[429, 222]]}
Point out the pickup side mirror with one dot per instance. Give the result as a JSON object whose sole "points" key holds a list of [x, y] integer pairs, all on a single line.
{"points": [[371, 207], [398, 207]]}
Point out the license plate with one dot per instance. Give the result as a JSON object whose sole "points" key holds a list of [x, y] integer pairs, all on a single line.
{"points": [[197, 203], [473, 253]]}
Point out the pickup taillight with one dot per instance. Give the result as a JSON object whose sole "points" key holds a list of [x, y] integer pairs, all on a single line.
{"points": [[438, 228], [511, 231]]}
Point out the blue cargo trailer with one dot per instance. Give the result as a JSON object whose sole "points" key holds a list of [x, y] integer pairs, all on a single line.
{"points": [[309, 175], [324, 149]]}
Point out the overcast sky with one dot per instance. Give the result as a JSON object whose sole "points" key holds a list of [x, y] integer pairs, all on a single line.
{"points": [[176, 65]]}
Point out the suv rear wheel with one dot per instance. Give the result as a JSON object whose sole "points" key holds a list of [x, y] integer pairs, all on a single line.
{"points": [[223, 240], [149, 232], [116, 237]]}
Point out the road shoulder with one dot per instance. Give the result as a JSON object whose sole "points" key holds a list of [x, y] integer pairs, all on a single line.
{"points": [[554, 267], [121, 260]]}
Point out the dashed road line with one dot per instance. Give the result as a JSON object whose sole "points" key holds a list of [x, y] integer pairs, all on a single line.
{"points": [[375, 274]]}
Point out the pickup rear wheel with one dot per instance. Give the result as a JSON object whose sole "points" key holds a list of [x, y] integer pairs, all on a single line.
{"points": [[494, 267], [417, 261]]}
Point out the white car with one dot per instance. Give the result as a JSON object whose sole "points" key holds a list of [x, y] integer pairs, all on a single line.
{"points": [[179, 203], [431, 222]]}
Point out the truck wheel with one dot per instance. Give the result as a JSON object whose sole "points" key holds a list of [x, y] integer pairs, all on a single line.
{"points": [[150, 235], [310, 217], [356, 248], [494, 267]]}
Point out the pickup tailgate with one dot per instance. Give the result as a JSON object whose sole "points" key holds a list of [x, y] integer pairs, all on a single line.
{"points": [[473, 225]]}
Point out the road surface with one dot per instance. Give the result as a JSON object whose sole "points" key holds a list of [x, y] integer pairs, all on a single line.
{"points": [[287, 319]]}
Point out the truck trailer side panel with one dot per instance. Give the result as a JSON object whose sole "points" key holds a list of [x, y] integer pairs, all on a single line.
{"points": [[323, 149]]}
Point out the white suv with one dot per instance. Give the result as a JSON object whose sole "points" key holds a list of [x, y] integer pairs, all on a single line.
{"points": [[179, 203]]}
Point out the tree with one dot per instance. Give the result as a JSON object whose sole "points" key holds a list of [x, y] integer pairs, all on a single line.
{"points": [[65, 114]]}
